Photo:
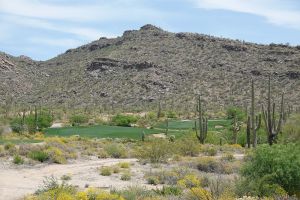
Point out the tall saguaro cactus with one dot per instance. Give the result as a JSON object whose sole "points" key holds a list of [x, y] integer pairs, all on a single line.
{"points": [[202, 123], [36, 119], [272, 127], [236, 126], [253, 122]]}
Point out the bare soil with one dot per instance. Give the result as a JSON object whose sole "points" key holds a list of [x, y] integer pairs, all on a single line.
{"points": [[16, 182]]}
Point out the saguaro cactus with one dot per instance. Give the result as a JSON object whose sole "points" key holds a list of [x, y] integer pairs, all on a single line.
{"points": [[159, 108], [36, 118], [272, 127], [255, 121], [202, 123], [248, 132], [167, 125], [236, 126]]}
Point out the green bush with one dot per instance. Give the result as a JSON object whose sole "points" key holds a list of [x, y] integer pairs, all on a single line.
{"points": [[18, 160], [105, 171], [171, 114], [188, 145], [236, 112], [126, 176], [44, 120], [115, 150], [78, 119], [271, 170], [211, 151], [124, 120], [16, 125], [291, 130], [170, 191], [137, 193], [124, 165], [155, 151], [152, 180], [207, 164], [38, 155], [9, 146]]}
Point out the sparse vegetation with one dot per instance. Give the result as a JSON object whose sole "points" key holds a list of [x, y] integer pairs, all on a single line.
{"points": [[105, 171]]}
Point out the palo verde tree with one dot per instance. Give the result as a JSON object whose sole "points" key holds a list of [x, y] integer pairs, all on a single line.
{"points": [[273, 127], [202, 121]]}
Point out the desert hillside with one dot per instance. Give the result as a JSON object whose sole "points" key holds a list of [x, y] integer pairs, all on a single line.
{"points": [[142, 66]]}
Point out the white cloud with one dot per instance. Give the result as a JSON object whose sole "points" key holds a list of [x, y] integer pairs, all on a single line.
{"points": [[58, 42], [99, 11], [275, 11], [79, 31]]}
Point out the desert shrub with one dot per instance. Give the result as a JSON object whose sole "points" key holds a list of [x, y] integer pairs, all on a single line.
{"points": [[210, 151], [236, 112], [152, 180], [207, 164], [38, 155], [115, 150], [2, 151], [291, 130], [124, 165], [172, 138], [189, 181], [214, 137], [24, 149], [126, 176], [188, 146], [135, 192], [272, 170], [124, 120], [198, 193], [169, 191], [81, 195], [155, 151], [228, 157], [56, 155], [102, 153], [221, 187], [51, 189], [78, 119], [16, 125], [115, 169], [107, 196], [65, 177], [105, 171], [18, 160], [10, 148], [171, 114]]}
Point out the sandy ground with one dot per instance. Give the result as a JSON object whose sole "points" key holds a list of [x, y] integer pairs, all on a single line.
{"points": [[15, 182]]}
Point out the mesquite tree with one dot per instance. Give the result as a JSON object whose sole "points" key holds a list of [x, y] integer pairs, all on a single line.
{"points": [[273, 127]]}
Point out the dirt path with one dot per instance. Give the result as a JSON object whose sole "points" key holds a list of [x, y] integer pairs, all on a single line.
{"points": [[17, 182]]}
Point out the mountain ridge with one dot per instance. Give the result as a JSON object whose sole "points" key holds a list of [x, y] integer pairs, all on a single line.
{"points": [[142, 66]]}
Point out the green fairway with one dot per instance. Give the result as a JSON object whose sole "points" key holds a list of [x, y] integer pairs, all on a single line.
{"points": [[101, 131], [190, 124], [176, 127]]}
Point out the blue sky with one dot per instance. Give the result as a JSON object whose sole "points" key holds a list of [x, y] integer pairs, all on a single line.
{"points": [[43, 29]]}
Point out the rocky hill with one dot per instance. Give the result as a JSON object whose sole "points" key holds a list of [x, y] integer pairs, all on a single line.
{"points": [[145, 65]]}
